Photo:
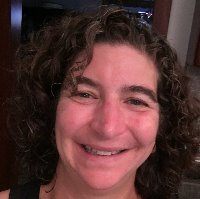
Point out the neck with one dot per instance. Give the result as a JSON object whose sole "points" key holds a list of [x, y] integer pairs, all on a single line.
{"points": [[70, 186]]}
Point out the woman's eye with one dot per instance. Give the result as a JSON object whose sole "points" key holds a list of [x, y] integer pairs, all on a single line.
{"points": [[84, 95], [137, 102]]}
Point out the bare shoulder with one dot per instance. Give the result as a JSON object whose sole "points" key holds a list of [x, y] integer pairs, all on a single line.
{"points": [[4, 194]]}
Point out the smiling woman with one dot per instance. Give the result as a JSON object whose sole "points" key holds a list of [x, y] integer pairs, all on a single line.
{"points": [[121, 122], [101, 129]]}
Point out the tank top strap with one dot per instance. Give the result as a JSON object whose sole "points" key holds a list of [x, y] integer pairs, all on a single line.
{"points": [[29, 190]]}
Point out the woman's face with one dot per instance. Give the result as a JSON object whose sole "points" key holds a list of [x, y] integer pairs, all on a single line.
{"points": [[107, 129]]}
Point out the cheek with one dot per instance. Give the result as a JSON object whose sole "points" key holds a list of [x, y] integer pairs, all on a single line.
{"points": [[145, 127], [70, 118]]}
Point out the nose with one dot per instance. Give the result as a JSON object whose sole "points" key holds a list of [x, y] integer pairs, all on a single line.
{"points": [[108, 121]]}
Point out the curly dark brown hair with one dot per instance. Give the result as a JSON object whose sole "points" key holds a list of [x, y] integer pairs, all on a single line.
{"points": [[46, 62]]}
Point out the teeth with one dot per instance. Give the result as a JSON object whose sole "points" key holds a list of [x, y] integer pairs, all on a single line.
{"points": [[98, 152]]}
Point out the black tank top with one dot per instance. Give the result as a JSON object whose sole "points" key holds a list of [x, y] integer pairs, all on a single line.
{"points": [[27, 191]]}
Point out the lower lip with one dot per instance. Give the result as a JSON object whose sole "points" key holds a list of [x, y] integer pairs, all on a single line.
{"points": [[100, 158]]}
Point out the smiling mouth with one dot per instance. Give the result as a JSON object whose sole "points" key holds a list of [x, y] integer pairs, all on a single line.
{"points": [[93, 151]]}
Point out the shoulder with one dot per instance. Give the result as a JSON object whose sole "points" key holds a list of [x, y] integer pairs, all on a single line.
{"points": [[5, 194]]}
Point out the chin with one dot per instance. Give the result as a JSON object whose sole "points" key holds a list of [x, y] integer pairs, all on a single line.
{"points": [[105, 180]]}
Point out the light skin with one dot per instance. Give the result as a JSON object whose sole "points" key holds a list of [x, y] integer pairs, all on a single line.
{"points": [[114, 110], [4, 194]]}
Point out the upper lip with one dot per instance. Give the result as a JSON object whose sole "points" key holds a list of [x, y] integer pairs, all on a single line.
{"points": [[104, 148]]}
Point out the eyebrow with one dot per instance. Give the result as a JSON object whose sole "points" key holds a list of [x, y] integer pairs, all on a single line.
{"points": [[141, 89], [87, 81], [133, 88]]}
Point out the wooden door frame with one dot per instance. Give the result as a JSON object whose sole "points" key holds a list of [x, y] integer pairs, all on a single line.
{"points": [[10, 39], [161, 15]]}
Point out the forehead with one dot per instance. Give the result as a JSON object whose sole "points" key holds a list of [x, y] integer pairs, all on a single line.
{"points": [[121, 64]]}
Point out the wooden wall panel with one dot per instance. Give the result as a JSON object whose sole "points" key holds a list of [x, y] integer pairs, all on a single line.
{"points": [[161, 15], [5, 65], [9, 40]]}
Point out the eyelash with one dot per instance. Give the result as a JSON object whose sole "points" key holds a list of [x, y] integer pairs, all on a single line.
{"points": [[83, 94], [137, 102], [131, 101]]}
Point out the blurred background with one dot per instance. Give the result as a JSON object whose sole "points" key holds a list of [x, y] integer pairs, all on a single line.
{"points": [[177, 20]]}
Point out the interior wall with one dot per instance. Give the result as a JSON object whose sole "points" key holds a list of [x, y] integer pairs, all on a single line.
{"points": [[180, 26], [194, 36]]}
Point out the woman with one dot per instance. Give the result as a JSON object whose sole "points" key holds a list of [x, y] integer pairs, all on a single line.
{"points": [[102, 110]]}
